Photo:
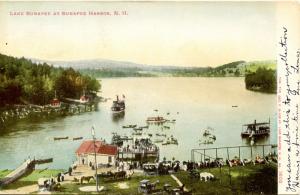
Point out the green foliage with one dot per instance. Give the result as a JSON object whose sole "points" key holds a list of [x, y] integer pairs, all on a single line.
{"points": [[250, 179], [254, 65], [257, 181], [233, 69], [230, 69], [262, 80], [24, 81]]}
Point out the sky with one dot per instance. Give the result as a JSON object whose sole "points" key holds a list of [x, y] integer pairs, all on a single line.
{"points": [[155, 33]]}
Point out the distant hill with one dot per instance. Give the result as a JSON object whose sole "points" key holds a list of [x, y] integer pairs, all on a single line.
{"points": [[103, 64], [232, 69], [112, 68]]}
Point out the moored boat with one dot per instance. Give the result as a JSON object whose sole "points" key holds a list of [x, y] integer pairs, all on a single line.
{"points": [[156, 120], [137, 129], [129, 126], [164, 135], [77, 138], [170, 140], [59, 138], [137, 133]]}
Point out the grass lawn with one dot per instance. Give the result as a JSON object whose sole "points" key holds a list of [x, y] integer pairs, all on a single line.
{"points": [[235, 183], [250, 179], [3, 173]]}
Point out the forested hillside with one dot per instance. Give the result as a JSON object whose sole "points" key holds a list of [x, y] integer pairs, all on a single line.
{"points": [[22, 81]]}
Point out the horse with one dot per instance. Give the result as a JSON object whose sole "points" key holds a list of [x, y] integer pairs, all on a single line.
{"points": [[120, 174], [86, 178]]}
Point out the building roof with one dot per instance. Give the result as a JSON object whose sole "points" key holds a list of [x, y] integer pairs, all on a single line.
{"points": [[101, 148], [55, 100]]}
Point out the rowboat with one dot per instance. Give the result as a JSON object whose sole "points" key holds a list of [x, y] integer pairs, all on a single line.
{"points": [[156, 120], [129, 126], [59, 138]]}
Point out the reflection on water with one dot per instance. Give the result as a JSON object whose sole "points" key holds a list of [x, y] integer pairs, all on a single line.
{"points": [[117, 117], [195, 104]]}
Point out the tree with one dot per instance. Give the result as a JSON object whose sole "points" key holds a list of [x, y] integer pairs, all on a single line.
{"points": [[261, 80], [237, 73], [24, 81]]}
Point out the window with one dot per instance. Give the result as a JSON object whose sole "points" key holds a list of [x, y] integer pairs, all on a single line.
{"points": [[109, 159]]}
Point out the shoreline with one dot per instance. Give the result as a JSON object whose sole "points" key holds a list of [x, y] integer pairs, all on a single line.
{"points": [[11, 113]]}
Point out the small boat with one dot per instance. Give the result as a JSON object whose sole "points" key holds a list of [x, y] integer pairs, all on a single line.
{"points": [[150, 134], [168, 113], [137, 129], [170, 140], [235, 106], [155, 110], [43, 161], [77, 138], [137, 133], [129, 126], [164, 135], [166, 127], [126, 138], [59, 138], [157, 120]]}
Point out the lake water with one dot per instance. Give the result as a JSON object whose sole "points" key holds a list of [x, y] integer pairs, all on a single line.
{"points": [[195, 103]]}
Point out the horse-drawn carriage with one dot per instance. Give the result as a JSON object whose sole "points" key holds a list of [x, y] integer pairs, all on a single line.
{"points": [[48, 184], [150, 168], [147, 187]]}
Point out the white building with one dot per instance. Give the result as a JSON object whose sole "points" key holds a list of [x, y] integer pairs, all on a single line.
{"points": [[105, 153]]}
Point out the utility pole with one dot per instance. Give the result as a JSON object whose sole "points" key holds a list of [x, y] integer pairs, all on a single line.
{"points": [[94, 139]]}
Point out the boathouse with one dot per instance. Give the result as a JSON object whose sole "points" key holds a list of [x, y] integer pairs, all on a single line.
{"points": [[105, 153]]}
